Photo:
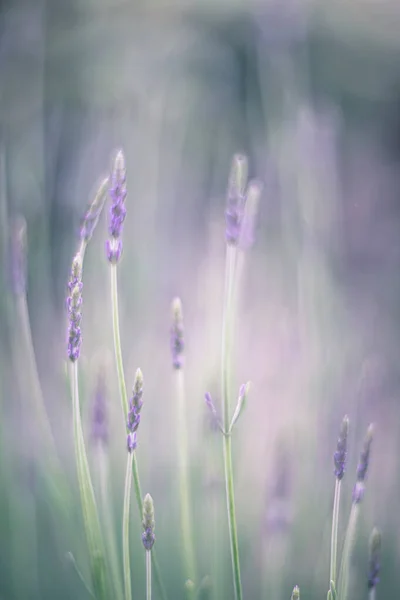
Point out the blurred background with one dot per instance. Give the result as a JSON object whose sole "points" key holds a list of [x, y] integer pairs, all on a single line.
{"points": [[310, 91]]}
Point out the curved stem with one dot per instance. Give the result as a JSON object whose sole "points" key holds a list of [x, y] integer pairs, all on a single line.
{"points": [[186, 523], [89, 509], [225, 393], [347, 552], [117, 343], [108, 523], [124, 404], [125, 528], [335, 523], [148, 574]]}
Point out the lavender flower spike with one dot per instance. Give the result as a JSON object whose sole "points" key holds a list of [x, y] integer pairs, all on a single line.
{"points": [[117, 211], [339, 458], [362, 468], [135, 406], [74, 304], [93, 212], [18, 253], [236, 199], [177, 334], [374, 559], [148, 537]]}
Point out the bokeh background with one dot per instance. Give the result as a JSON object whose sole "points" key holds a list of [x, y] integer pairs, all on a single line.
{"points": [[310, 91]]}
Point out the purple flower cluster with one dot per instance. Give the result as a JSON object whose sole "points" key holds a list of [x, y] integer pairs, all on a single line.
{"points": [[117, 211], [148, 537], [374, 559], [362, 468], [74, 305], [339, 458], [177, 333], [135, 406]]}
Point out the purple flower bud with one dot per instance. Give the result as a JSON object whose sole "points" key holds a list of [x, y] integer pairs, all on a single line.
{"points": [[362, 468], [148, 537], [131, 441], [117, 211], [74, 304], [135, 406], [177, 333], [339, 458], [113, 250], [374, 567]]}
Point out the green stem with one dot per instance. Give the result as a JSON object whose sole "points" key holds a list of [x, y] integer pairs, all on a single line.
{"points": [[186, 523], [148, 574], [335, 523], [371, 594], [108, 523], [89, 509], [225, 393], [125, 528], [347, 552], [117, 343], [124, 404]]}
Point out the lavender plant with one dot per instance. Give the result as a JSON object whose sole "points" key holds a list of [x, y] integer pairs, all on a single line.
{"points": [[358, 494], [88, 502], [133, 420], [234, 218], [374, 566], [339, 460], [177, 352], [118, 194], [148, 538], [296, 593]]}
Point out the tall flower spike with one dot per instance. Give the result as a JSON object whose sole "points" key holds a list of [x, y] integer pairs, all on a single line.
{"points": [[236, 198], [177, 334], [339, 458], [148, 537], [117, 210], [74, 304], [18, 254], [374, 567], [362, 468], [135, 406], [94, 211]]}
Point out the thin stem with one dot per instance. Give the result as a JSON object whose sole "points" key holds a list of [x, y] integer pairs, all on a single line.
{"points": [[148, 574], [89, 509], [124, 404], [335, 523], [347, 552], [186, 523], [125, 528], [108, 523], [117, 342], [225, 393], [371, 594]]}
